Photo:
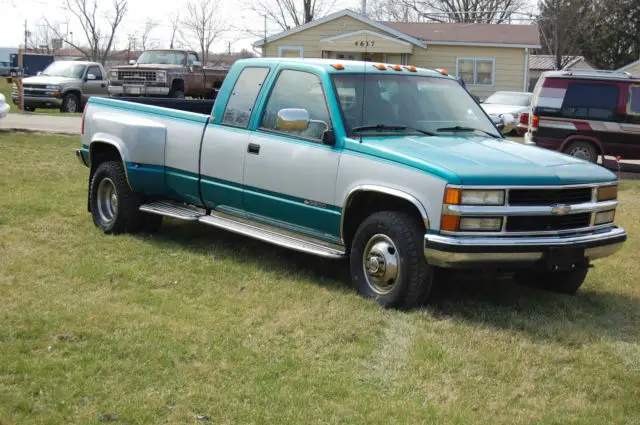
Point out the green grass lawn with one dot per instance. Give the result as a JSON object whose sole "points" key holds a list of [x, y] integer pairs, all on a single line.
{"points": [[199, 322]]}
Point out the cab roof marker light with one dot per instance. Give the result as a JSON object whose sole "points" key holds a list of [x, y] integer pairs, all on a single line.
{"points": [[411, 68], [442, 71], [380, 66], [397, 67], [338, 66]]}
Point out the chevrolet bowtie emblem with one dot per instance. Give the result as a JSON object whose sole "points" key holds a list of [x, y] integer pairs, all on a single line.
{"points": [[561, 209]]}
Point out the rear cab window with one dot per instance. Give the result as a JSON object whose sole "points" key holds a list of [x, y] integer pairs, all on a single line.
{"points": [[243, 96], [595, 101]]}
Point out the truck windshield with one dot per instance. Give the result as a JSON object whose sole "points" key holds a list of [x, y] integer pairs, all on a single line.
{"points": [[374, 103], [64, 69], [159, 57]]}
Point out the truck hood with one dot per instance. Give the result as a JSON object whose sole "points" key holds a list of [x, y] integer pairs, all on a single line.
{"points": [[483, 161], [147, 66], [45, 80], [495, 108]]}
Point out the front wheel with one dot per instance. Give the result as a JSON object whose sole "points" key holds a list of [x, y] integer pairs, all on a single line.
{"points": [[387, 261], [564, 282], [71, 103]]}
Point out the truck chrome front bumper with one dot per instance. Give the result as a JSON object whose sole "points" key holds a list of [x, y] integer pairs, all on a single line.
{"points": [[138, 90], [472, 252]]}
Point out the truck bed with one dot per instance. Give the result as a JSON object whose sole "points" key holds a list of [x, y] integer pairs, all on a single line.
{"points": [[198, 106]]}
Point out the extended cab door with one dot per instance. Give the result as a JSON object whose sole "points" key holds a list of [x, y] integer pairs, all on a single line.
{"points": [[290, 176], [225, 144], [96, 86]]}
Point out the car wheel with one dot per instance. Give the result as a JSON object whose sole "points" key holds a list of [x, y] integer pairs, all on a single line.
{"points": [[177, 94], [71, 103], [582, 150], [564, 282], [387, 261], [29, 108], [114, 207]]}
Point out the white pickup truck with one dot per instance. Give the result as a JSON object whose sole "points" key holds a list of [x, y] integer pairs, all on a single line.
{"points": [[395, 167]]}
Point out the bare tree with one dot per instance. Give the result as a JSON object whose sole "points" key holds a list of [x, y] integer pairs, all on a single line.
{"points": [[471, 11], [203, 25], [288, 14], [98, 37], [41, 40], [563, 25], [145, 40], [175, 23], [393, 10]]}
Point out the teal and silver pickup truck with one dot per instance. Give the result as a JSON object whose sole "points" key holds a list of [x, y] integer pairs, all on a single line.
{"points": [[395, 167]]}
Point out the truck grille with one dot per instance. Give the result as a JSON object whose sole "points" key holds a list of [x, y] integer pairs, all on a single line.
{"points": [[538, 223], [139, 76], [531, 197]]}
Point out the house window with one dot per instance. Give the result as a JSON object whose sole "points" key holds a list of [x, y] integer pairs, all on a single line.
{"points": [[291, 51], [476, 71], [634, 100]]}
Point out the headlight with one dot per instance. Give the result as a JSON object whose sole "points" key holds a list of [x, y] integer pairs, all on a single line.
{"points": [[605, 217], [113, 75], [473, 197], [161, 76], [607, 193], [56, 88], [481, 224]]}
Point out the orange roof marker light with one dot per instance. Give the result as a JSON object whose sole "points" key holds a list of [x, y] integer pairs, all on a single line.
{"points": [[397, 67], [338, 66], [442, 71], [411, 68], [380, 66]]}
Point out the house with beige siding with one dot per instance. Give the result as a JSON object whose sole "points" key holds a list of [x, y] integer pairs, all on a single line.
{"points": [[488, 57], [632, 68]]}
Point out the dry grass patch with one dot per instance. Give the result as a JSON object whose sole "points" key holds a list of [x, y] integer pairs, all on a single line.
{"points": [[198, 322]]}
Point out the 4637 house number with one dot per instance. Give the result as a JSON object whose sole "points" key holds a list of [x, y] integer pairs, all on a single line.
{"points": [[365, 43]]}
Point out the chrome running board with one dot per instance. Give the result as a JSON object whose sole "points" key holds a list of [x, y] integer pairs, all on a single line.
{"points": [[246, 227], [173, 209], [272, 236]]}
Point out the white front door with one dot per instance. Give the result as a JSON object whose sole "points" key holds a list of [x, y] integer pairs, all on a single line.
{"points": [[290, 176]]}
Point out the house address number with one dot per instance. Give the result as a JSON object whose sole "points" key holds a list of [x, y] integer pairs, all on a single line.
{"points": [[365, 43]]}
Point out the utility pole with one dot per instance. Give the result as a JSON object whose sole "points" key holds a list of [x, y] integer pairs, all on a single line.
{"points": [[26, 33], [229, 48]]}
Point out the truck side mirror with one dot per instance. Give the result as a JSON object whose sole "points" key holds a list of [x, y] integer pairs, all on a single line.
{"points": [[91, 77], [292, 119], [132, 62], [196, 64]]}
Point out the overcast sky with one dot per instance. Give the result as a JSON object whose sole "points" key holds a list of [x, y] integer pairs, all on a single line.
{"points": [[14, 13]]}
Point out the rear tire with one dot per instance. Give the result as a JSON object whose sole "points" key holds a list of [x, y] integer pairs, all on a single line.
{"points": [[583, 150], [387, 260], [114, 207], [565, 282]]}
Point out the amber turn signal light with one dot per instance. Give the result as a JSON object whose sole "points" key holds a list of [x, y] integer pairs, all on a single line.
{"points": [[452, 196], [450, 223], [607, 193]]}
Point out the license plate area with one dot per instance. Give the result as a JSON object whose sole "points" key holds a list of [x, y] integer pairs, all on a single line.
{"points": [[133, 90], [561, 259]]}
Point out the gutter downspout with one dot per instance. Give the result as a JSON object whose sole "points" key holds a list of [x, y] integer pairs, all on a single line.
{"points": [[525, 85]]}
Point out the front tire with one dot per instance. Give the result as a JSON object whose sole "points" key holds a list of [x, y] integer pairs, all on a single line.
{"points": [[387, 260], [70, 104], [564, 282]]}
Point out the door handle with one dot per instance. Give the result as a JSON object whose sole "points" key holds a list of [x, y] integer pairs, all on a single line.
{"points": [[253, 148]]}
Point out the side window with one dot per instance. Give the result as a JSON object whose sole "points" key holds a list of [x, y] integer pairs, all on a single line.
{"points": [[95, 70], [298, 89], [243, 97], [192, 58], [595, 101], [634, 100]]}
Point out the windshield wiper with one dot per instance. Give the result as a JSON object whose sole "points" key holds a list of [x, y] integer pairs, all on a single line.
{"points": [[381, 127], [460, 128]]}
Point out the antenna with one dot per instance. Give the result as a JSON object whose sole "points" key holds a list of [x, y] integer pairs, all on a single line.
{"points": [[364, 81]]}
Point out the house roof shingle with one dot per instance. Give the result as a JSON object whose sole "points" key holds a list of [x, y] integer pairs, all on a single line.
{"points": [[548, 62]]}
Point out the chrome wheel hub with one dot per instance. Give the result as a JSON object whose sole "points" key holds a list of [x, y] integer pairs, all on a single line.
{"points": [[381, 264], [581, 153], [107, 201]]}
